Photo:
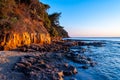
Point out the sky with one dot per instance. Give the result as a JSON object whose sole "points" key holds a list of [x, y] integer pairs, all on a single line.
{"points": [[88, 18]]}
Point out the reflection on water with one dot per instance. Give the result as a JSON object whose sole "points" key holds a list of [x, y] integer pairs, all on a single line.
{"points": [[108, 59]]}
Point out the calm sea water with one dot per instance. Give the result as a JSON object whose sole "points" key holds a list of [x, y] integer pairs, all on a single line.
{"points": [[107, 57]]}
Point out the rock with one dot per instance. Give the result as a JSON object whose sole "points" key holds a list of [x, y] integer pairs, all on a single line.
{"points": [[31, 50], [84, 61], [60, 74], [35, 76], [20, 65], [1, 48], [70, 71], [83, 50], [74, 70], [92, 64], [41, 62], [2, 77], [66, 65], [35, 47], [83, 57], [23, 49], [81, 43], [31, 60], [85, 67], [89, 59], [73, 79], [26, 63], [68, 55], [67, 73], [27, 56], [43, 65], [69, 43], [35, 68]]}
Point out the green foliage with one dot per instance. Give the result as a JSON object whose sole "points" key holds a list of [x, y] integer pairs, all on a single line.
{"points": [[14, 19], [56, 30], [6, 7], [53, 32], [47, 22], [46, 6], [54, 18], [62, 32], [5, 26]]}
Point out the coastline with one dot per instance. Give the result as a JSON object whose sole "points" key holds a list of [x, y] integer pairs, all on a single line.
{"points": [[44, 62]]}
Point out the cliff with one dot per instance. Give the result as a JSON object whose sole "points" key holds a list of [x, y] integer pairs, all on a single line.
{"points": [[23, 22]]}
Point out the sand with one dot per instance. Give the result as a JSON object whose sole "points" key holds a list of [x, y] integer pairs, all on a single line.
{"points": [[7, 62]]}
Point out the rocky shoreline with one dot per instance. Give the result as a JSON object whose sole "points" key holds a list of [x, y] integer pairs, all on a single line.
{"points": [[50, 62]]}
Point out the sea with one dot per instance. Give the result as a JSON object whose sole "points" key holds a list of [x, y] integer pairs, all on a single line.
{"points": [[106, 56]]}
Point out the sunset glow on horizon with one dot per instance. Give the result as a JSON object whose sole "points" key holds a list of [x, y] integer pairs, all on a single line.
{"points": [[88, 18]]}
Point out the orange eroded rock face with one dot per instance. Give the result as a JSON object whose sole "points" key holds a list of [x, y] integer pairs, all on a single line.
{"points": [[15, 40]]}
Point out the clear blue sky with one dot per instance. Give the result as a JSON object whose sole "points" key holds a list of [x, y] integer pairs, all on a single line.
{"points": [[88, 18]]}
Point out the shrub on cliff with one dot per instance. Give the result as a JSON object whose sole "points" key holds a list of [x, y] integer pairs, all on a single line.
{"points": [[56, 30]]}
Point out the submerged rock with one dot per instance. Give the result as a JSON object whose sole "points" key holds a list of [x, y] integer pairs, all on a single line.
{"points": [[85, 67]]}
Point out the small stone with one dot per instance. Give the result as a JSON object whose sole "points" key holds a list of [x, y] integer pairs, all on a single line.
{"points": [[60, 74]]}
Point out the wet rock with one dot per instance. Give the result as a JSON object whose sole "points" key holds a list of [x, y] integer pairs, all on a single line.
{"points": [[81, 61], [35, 68], [69, 43], [89, 59], [81, 43], [73, 79], [82, 57], [96, 44], [31, 60], [43, 65], [92, 64], [68, 55], [83, 50], [66, 65], [67, 73], [85, 67], [70, 71], [35, 76], [60, 74], [74, 70]]}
